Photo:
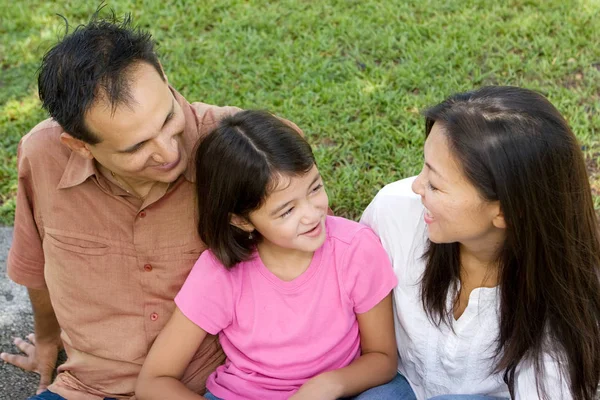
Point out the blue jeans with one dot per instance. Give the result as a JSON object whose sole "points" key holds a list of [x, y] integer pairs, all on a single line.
{"points": [[48, 395], [465, 397], [397, 389]]}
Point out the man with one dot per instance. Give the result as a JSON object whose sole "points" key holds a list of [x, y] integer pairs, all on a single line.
{"points": [[105, 229]]}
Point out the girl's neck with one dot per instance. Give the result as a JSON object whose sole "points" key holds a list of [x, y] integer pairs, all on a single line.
{"points": [[286, 264]]}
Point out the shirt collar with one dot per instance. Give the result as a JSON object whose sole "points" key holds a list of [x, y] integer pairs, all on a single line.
{"points": [[79, 169]]}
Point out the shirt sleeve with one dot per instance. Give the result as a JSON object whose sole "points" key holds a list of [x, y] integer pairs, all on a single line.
{"points": [[25, 264], [206, 297], [394, 215], [555, 385], [369, 276], [209, 116]]}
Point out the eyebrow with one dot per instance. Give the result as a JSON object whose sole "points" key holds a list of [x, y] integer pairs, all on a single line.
{"points": [[140, 144], [433, 170], [281, 207]]}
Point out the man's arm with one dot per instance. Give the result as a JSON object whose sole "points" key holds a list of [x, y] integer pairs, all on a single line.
{"points": [[25, 265], [41, 354]]}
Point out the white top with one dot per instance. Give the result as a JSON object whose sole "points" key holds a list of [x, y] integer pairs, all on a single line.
{"points": [[438, 361]]}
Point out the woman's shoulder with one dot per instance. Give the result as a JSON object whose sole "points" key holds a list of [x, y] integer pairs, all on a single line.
{"points": [[396, 216], [395, 208]]}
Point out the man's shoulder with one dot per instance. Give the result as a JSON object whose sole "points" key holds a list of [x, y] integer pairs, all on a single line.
{"points": [[210, 114], [44, 138]]}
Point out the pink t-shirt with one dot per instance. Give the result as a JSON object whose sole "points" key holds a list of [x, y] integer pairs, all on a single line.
{"points": [[279, 334]]}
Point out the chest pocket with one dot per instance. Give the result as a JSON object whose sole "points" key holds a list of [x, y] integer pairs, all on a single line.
{"points": [[95, 294], [76, 243]]}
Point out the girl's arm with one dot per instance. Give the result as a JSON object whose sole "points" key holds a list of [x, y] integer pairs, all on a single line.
{"points": [[167, 360], [377, 364]]}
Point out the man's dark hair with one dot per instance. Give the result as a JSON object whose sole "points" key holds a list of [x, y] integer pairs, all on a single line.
{"points": [[92, 63], [237, 166]]}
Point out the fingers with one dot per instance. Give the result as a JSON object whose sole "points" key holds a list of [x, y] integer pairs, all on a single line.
{"points": [[31, 338], [18, 361], [24, 346]]}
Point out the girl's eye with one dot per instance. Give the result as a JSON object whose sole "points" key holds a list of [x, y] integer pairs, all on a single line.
{"points": [[288, 212], [431, 187], [318, 187]]}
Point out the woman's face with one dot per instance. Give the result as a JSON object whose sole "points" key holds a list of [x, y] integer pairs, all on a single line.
{"points": [[454, 209]]}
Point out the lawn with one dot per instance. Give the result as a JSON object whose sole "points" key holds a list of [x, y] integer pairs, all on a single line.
{"points": [[354, 75]]}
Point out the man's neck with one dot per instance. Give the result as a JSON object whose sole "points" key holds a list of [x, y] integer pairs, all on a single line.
{"points": [[137, 188]]}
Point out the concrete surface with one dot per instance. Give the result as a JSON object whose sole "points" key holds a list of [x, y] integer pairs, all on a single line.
{"points": [[15, 320]]}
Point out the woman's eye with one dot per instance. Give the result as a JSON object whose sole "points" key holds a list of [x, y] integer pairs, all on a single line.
{"points": [[318, 187]]}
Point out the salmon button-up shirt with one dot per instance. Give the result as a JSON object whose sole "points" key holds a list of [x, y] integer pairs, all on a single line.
{"points": [[112, 263]]}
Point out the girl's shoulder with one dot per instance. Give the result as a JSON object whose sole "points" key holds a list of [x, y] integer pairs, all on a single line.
{"points": [[208, 262], [342, 231]]}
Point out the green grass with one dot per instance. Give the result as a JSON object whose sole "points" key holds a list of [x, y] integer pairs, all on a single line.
{"points": [[353, 74]]}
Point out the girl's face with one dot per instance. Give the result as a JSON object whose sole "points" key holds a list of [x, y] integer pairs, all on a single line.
{"points": [[293, 215], [454, 209]]}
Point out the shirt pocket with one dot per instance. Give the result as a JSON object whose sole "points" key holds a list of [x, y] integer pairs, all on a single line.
{"points": [[76, 242], [96, 295]]}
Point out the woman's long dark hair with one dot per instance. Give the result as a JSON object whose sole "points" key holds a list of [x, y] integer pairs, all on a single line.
{"points": [[516, 148]]}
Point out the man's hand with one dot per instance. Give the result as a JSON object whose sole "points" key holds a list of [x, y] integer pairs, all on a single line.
{"points": [[39, 357]]}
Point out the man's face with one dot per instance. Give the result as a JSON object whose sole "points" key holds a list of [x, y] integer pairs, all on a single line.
{"points": [[142, 140]]}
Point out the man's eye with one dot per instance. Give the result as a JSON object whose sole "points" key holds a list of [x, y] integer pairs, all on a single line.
{"points": [[135, 149]]}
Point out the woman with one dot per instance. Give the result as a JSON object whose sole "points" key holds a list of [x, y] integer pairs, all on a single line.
{"points": [[497, 255]]}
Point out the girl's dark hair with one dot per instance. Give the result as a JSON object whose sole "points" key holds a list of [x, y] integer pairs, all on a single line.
{"points": [[237, 165], [516, 148], [94, 61]]}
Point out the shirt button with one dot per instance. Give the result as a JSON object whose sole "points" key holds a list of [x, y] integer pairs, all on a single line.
{"points": [[147, 267], [154, 316], [142, 214]]}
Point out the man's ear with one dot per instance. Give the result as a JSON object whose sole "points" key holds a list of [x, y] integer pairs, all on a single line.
{"points": [[78, 146], [241, 222], [498, 220], [163, 73]]}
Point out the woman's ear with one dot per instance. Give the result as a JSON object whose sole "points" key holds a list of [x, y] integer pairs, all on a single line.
{"points": [[241, 222], [498, 220]]}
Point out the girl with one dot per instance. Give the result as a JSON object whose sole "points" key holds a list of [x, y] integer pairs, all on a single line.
{"points": [[301, 300], [497, 254]]}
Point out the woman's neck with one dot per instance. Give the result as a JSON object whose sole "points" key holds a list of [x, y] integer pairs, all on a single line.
{"points": [[479, 261]]}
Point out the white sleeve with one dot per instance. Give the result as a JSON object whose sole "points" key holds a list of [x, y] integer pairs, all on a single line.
{"points": [[555, 384], [394, 215]]}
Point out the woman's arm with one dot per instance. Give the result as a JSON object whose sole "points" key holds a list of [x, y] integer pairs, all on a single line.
{"points": [[377, 364], [167, 360], [553, 384]]}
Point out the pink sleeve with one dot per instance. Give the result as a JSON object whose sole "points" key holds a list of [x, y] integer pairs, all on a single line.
{"points": [[206, 297], [369, 276]]}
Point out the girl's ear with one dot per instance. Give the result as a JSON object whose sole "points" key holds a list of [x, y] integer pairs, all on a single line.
{"points": [[241, 222]]}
